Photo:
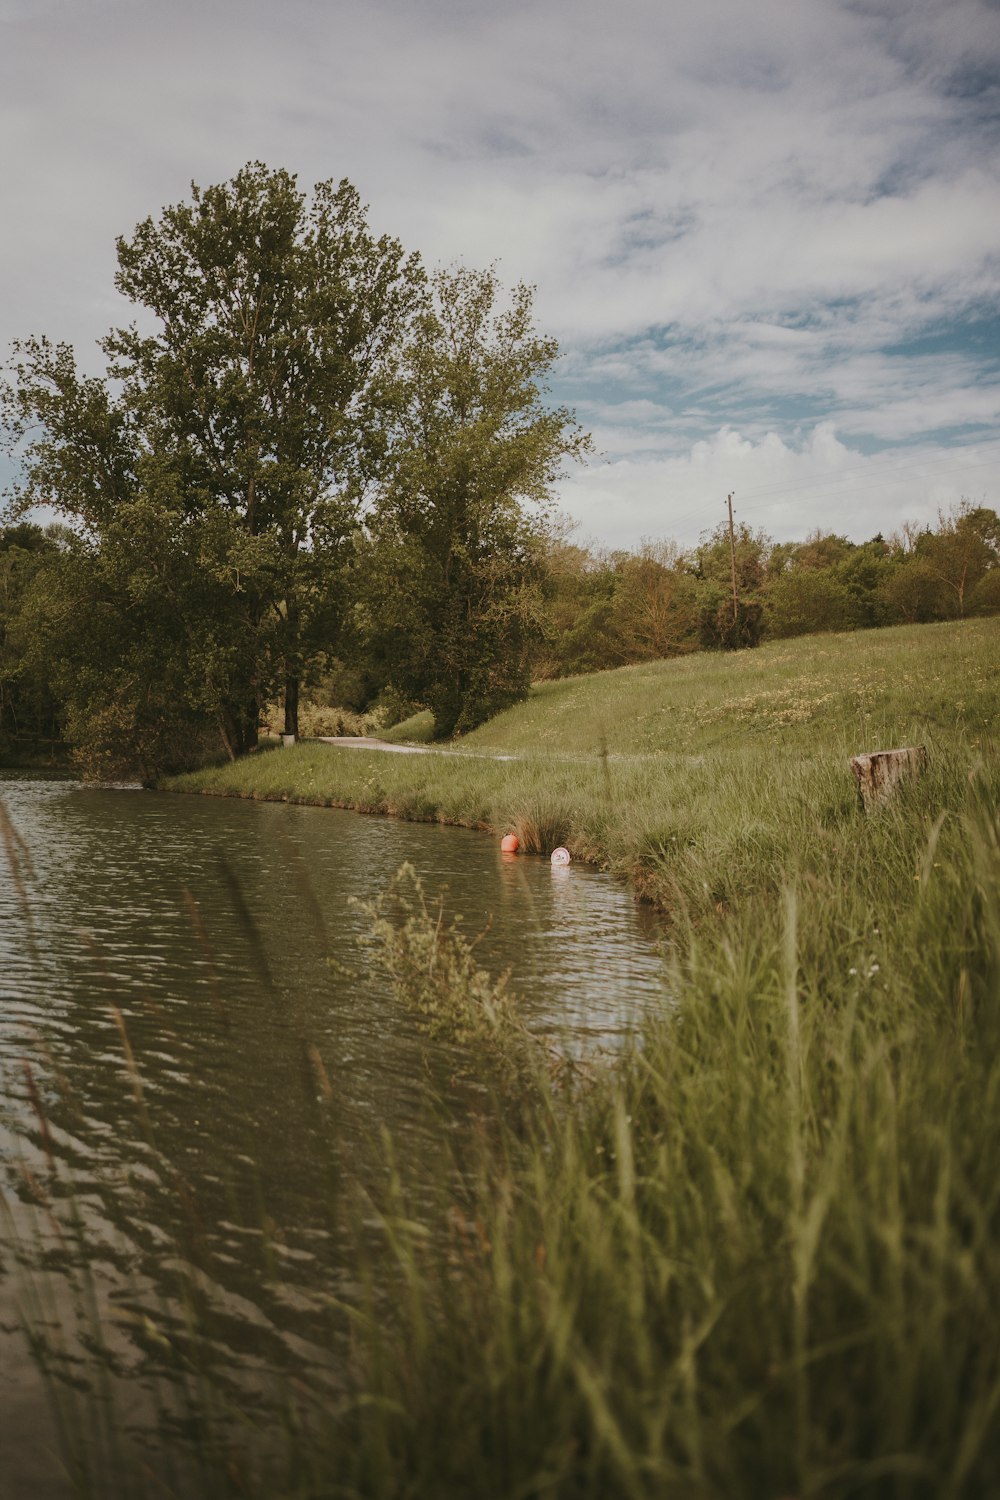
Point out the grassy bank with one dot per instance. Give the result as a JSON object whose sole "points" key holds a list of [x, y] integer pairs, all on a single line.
{"points": [[761, 1258], [698, 779]]}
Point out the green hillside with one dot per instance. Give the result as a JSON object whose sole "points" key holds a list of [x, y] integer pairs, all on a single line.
{"points": [[696, 778]]}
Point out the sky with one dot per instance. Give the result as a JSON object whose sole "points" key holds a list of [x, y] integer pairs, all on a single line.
{"points": [[766, 233]]}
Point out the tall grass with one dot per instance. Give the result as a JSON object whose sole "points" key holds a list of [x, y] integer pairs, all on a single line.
{"points": [[761, 1256]]}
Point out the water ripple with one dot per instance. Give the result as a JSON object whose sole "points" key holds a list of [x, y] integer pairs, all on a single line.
{"points": [[168, 1043]]}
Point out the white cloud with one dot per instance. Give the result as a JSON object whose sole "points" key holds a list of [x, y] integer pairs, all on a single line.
{"points": [[729, 209], [787, 489]]}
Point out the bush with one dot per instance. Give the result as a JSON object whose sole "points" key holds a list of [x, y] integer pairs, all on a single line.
{"points": [[803, 602]]}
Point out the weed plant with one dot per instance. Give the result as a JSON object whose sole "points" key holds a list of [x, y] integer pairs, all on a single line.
{"points": [[432, 968], [316, 720]]}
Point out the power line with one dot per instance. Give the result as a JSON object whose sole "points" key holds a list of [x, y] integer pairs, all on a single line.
{"points": [[829, 492]]}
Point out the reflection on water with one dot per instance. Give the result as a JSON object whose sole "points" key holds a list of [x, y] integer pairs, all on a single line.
{"points": [[201, 930]]}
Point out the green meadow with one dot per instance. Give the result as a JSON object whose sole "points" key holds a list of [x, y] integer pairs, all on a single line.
{"points": [[705, 781]]}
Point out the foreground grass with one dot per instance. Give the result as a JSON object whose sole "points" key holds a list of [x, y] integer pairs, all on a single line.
{"points": [[762, 1257], [697, 779]]}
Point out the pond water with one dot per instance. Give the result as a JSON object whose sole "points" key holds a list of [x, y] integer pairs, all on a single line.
{"points": [[223, 935]]}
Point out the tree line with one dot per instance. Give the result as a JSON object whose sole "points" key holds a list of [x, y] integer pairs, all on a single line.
{"points": [[563, 609], [611, 608], [311, 465]]}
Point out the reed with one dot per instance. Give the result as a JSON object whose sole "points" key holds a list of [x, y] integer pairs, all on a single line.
{"points": [[432, 968]]}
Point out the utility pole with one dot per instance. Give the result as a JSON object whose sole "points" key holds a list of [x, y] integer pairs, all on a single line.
{"points": [[732, 554]]}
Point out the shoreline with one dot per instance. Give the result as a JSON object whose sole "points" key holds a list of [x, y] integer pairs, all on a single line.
{"points": [[699, 781]]}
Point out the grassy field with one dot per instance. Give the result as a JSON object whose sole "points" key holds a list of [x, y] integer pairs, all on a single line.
{"points": [[699, 779], [760, 1255]]}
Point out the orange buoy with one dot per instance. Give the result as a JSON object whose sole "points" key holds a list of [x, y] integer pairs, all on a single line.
{"points": [[510, 843]]}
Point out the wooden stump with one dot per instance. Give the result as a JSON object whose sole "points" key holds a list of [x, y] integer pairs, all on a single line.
{"points": [[879, 774]]}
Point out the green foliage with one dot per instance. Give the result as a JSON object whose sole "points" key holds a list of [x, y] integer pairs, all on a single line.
{"points": [[961, 552], [984, 596], [318, 720], [914, 592], [236, 439], [433, 970], [103, 628], [29, 714], [801, 602], [864, 572], [452, 564], [606, 610], [613, 608], [720, 624]]}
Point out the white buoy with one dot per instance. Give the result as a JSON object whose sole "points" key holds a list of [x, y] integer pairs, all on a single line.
{"points": [[560, 856]]}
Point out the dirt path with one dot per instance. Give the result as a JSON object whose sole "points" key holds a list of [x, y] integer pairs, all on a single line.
{"points": [[367, 742]]}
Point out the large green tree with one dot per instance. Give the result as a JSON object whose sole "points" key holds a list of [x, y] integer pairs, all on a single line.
{"points": [[721, 624], [453, 550], [238, 426], [965, 547], [28, 708]]}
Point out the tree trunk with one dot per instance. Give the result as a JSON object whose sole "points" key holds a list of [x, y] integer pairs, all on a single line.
{"points": [[879, 774], [238, 723], [292, 704], [292, 666], [227, 738], [250, 724]]}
